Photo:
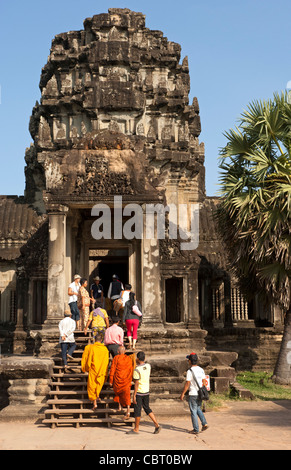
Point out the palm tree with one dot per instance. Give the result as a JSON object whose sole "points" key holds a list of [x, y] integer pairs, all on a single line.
{"points": [[254, 212]]}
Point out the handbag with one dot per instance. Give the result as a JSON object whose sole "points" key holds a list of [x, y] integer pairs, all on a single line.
{"points": [[202, 391], [136, 310]]}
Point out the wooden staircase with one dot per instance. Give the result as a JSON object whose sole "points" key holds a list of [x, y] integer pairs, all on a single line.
{"points": [[68, 403]]}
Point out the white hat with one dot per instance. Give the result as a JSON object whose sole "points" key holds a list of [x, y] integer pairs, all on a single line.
{"points": [[77, 276]]}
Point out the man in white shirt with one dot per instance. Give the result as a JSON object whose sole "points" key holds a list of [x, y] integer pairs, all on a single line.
{"points": [[194, 400], [67, 327], [73, 297]]}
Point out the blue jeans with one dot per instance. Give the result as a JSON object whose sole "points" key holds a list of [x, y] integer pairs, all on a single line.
{"points": [[74, 311], [196, 412], [67, 348]]}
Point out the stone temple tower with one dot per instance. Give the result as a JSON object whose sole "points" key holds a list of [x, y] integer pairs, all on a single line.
{"points": [[115, 91]]}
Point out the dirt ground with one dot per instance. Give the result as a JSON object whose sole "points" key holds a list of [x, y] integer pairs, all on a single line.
{"points": [[249, 425]]}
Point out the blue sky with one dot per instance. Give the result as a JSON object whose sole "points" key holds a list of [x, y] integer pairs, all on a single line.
{"points": [[238, 51]]}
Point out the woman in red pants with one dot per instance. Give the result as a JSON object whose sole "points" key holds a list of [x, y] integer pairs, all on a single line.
{"points": [[131, 317]]}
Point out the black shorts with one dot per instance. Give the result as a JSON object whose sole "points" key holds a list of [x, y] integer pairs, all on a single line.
{"points": [[142, 401]]}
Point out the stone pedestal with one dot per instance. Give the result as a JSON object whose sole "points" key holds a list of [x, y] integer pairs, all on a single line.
{"points": [[28, 381]]}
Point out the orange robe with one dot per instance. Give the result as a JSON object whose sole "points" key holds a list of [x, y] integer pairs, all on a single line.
{"points": [[95, 361], [121, 371]]}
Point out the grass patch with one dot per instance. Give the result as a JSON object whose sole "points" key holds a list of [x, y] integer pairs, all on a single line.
{"points": [[262, 386], [218, 400], [259, 383]]}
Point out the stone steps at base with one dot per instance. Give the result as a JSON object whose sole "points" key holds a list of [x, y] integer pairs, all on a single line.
{"points": [[68, 398], [241, 392]]}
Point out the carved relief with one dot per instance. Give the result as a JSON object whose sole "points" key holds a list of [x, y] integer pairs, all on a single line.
{"points": [[118, 77]]}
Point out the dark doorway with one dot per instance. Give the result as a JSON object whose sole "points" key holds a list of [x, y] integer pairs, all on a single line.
{"points": [[105, 263], [108, 268], [174, 299]]}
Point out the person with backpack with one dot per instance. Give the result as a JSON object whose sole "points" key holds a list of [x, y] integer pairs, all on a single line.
{"points": [[99, 322], [115, 289], [195, 378], [132, 317]]}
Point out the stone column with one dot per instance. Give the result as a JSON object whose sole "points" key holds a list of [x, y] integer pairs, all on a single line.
{"points": [[193, 293], [151, 283], [57, 288], [227, 303], [20, 335]]}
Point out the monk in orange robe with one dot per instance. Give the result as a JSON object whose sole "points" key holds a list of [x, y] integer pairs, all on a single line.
{"points": [[95, 360], [120, 378]]}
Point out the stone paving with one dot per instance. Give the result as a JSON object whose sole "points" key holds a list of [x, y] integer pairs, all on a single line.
{"points": [[247, 425]]}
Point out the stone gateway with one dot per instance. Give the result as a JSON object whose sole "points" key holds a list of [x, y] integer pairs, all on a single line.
{"points": [[114, 120]]}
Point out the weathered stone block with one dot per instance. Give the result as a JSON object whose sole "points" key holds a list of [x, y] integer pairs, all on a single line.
{"points": [[25, 367], [220, 384], [228, 372]]}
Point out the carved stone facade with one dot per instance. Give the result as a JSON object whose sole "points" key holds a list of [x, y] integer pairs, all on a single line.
{"points": [[114, 119]]}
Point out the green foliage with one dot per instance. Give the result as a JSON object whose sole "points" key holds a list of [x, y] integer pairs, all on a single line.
{"points": [[262, 386], [254, 213]]}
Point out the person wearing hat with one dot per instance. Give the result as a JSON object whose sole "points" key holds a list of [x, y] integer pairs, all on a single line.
{"points": [[73, 291], [194, 402], [115, 289], [67, 327], [96, 292]]}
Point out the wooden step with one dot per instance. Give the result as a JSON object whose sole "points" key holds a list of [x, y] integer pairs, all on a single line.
{"points": [[77, 383], [93, 420], [76, 401], [68, 398], [69, 375], [64, 411], [69, 384], [77, 392]]}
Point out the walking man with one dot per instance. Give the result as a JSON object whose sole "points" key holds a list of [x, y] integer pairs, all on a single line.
{"points": [[113, 338], [67, 327], [141, 396], [115, 289], [194, 401]]}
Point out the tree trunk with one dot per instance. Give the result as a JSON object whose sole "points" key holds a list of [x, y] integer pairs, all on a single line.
{"points": [[282, 372]]}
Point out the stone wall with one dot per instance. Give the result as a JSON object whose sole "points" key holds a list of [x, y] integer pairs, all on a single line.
{"points": [[257, 348]]}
